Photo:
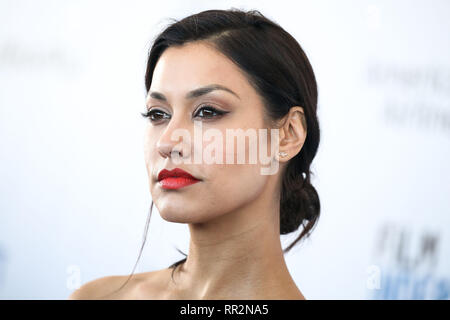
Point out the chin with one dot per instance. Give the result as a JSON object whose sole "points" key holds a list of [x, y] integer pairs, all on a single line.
{"points": [[176, 217], [185, 215], [180, 214]]}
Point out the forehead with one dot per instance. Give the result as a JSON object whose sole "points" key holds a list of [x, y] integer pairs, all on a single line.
{"points": [[180, 69]]}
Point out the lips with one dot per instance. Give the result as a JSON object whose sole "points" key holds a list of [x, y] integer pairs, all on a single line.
{"points": [[175, 179], [175, 173]]}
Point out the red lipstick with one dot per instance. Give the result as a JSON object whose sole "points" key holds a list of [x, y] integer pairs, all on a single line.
{"points": [[175, 179]]}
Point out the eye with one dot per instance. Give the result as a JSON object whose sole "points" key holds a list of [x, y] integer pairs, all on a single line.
{"points": [[155, 115], [204, 112], [209, 112]]}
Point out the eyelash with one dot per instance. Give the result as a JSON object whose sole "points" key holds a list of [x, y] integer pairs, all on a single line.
{"points": [[149, 114]]}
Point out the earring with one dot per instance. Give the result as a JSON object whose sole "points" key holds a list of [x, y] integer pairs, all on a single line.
{"points": [[282, 154]]}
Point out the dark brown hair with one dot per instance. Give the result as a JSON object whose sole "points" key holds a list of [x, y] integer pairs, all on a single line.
{"points": [[278, 69]]}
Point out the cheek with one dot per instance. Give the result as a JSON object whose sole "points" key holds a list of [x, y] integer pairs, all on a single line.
{"points": [[235, 185], [231, 186], [149, 145], [150, 152]]}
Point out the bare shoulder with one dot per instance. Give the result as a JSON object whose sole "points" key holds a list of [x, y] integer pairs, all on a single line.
{"points": [[98, 288], [108, 287]]}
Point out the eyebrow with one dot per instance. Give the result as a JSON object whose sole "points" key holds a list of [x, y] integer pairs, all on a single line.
{"points": [[195, 93]]}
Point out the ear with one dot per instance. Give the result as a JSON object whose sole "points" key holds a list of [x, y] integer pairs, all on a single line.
{"points": [[293, 133]]}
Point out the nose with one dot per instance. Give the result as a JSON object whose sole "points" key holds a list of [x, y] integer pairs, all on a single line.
{"points": [[174, 141]]}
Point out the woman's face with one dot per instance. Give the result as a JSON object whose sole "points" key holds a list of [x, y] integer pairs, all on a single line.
{"points": [[223, 187]]}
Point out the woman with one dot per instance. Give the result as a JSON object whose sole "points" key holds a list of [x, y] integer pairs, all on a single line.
{"points": [[222, 70]]}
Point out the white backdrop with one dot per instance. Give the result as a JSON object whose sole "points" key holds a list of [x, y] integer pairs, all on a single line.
{"points": [[74, 189]]}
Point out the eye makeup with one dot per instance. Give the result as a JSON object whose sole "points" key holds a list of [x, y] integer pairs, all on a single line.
{"points": [[156, 115]]}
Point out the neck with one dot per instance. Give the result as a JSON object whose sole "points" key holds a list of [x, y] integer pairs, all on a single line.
{"points": [[238, 254]]}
